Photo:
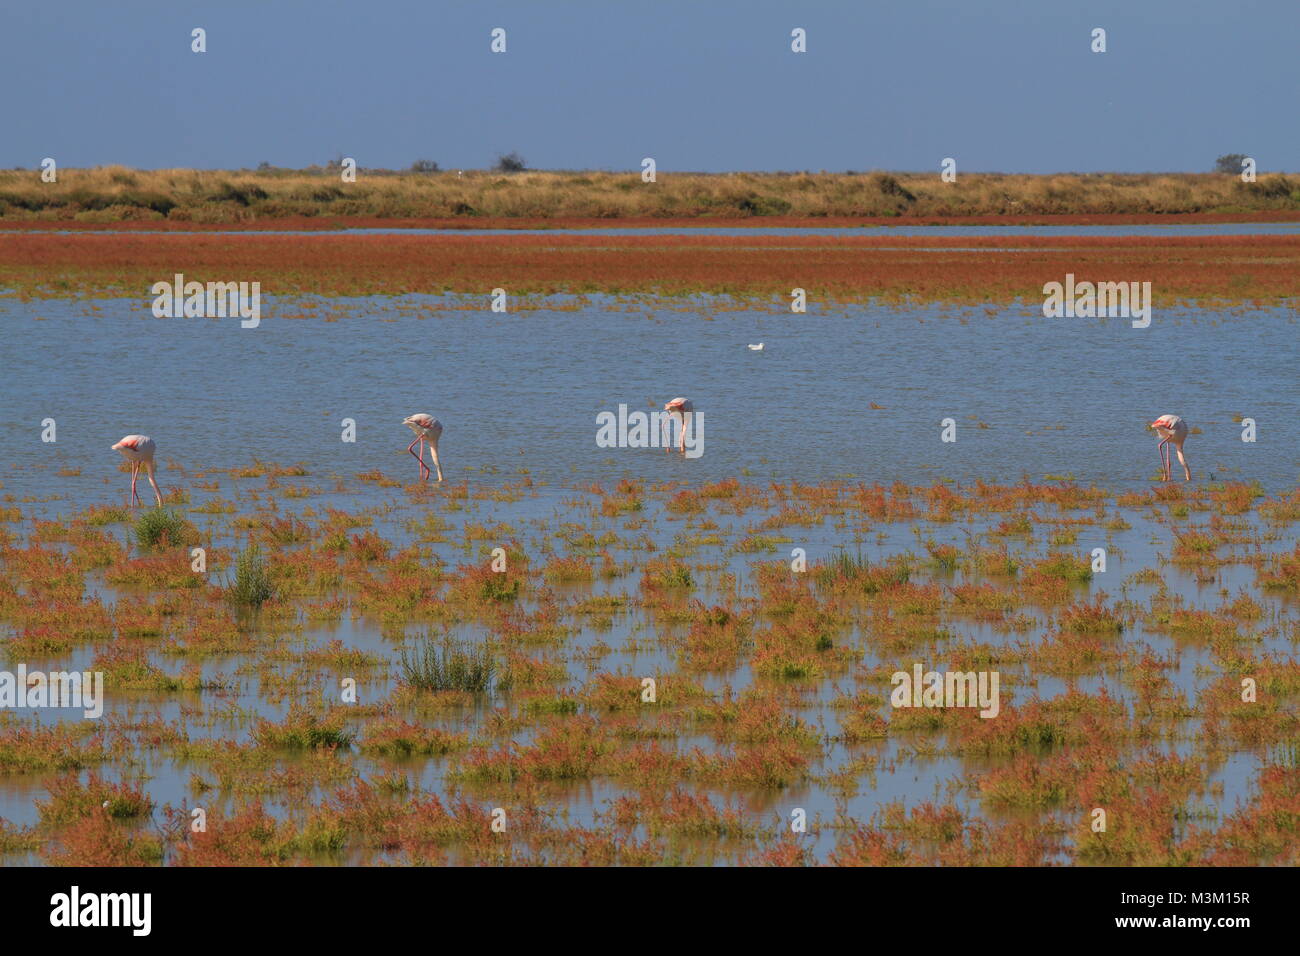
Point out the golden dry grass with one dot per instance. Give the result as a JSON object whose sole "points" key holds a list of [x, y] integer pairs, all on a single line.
{"points": [[119, 194]]}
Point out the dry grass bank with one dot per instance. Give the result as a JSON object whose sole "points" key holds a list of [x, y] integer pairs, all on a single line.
{"points": [[117, 194]]}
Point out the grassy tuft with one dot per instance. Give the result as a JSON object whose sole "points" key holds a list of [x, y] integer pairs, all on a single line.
{"points": [[442, 666], [252, 587]]}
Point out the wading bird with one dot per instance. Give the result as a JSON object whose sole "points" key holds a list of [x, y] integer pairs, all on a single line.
{"points": [[138, 450], [756, 348], [1173, 429], [682, 410], [427, 432]]}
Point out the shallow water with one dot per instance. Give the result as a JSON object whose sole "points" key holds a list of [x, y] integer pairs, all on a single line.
{"points": [[521, 393], [518, 394]]}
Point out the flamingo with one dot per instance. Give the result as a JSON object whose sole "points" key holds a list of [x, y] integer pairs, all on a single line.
{"points": [[427, 432], [138, 450], [682, 410], [1171, 428]]}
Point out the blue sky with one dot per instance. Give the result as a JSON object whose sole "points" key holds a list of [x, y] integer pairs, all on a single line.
{"points": [[1006, 85]]}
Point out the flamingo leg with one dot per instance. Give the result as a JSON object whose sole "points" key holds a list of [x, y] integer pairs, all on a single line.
{"points": [[1187, 472], [135, 473], [149, 474], [433, 453], [665, 432], [681, 439], [420, 456], [1164, 468]]}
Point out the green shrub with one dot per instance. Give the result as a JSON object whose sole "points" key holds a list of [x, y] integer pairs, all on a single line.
{"points": [[252, 587], [159, 526]]}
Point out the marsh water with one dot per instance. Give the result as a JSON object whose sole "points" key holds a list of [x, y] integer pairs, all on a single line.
{"points": [[854, 393]]}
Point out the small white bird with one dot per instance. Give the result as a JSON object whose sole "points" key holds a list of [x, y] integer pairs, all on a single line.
{"points": [[756, 348]]}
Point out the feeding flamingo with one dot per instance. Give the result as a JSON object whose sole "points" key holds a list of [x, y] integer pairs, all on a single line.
{"points": [[681, 409], [138, 450], [427, 432], [1173, 429]]}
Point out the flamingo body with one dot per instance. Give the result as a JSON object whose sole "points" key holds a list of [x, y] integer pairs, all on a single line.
{"points": [[139, 451], [681, 409], [1172, 430], [427, 431]]}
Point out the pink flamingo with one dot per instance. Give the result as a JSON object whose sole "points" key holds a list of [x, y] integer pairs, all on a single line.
{"points": [[138, 450], [681, 409], [1173, 429], [427, 432]]}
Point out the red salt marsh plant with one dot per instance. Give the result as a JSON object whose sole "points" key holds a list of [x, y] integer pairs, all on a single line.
{"points": [[664, 580], [304, 730], [1270, 718], [1282, 510], [97, 840], [479, 585], [1042, 726], [901, 269], [679, 813], [72, 799], [251, 837], [569, 570], [1092, 617], [716, 639], [1281, 572], [804, 646], [364, 816], [155, 572], [568, 751], [754, 718], [1265, 831], [127, 668], [56, 747], [852, 573], [1053, 578]]}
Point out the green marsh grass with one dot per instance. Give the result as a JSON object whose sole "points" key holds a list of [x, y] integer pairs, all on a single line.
{"points": [[443, 666], [159, 526], [252, 586]]}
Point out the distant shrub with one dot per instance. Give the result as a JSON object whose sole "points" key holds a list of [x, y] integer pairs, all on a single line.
{"points": [[424, 166], [1273, 187], [758, 205], [245, 194], [1229, 163], [890, 186], [510, 163]]}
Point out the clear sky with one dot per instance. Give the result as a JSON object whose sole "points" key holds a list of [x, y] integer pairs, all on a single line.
{"points": [[1008, 85]]}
